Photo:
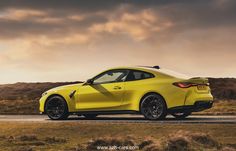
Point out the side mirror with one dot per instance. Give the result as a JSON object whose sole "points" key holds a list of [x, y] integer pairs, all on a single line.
{"points": [[89, 82]]}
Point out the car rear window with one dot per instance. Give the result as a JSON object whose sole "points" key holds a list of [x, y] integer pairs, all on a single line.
{"points": [[138, 75]]}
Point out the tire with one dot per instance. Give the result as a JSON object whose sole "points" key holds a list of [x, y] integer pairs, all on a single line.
{"points": [[56, 108], [90, 116], [153, 107], [181, 115]]}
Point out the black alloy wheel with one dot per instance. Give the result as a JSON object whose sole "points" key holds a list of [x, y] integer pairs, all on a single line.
{"points": [[153, 107], [56, 108]]}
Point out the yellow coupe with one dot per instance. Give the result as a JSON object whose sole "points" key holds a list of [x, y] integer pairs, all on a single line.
{"points": [[150, 91]]}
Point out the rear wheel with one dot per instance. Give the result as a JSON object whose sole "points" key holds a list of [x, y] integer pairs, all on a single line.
{"points": [[153, 107], [181, 115], [90, 116], [56, 108]]}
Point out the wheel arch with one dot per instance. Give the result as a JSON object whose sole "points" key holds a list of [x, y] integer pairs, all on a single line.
{"points": [[52, 95], [148, 93]]}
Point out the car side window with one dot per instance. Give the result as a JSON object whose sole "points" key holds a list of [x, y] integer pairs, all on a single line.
{"points": [[110, 76], [138, 75]]}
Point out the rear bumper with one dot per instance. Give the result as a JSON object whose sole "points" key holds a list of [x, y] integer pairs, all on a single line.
{"points": [[198, 106]]}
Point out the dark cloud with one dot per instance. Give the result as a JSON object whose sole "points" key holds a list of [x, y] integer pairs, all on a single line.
{"points": [[193, 36], [202, 14], [33, 27], [185, 14], [88, 5], [14, 29]]}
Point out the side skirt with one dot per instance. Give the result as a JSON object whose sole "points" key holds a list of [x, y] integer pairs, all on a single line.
{"points": [[107, 112]]}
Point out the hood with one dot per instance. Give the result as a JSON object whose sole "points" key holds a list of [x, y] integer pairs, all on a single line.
{"points": [[68, 87]]}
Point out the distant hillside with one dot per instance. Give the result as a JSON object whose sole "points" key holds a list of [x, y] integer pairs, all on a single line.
{"points": [[222, 88], [27, 91], [22, 98]]}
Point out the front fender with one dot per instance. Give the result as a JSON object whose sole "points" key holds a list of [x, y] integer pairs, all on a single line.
{"points": [[65, 94]]}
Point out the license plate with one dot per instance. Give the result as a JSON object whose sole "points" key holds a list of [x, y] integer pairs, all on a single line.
{"points": [[201, 87]]}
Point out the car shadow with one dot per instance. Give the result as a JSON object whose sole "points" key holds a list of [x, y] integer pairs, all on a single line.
{"points": [[110, 118]]}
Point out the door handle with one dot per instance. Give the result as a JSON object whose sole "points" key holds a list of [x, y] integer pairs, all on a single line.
{"points": [[117, 87]]}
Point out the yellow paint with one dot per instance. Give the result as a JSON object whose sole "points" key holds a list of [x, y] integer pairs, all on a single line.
{"points": [[102, 97]]}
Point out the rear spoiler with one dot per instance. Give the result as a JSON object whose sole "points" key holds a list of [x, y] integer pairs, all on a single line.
{"points": [[198, 80]]}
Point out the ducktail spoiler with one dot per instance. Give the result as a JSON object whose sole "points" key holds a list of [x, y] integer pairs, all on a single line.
{"points": [[198, 80]]}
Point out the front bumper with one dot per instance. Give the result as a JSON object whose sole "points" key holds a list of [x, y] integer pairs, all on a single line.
{"points": [[198, 106], [42, 103]]}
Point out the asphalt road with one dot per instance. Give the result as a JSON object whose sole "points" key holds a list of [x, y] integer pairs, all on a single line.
{"points": [[194, 119]]}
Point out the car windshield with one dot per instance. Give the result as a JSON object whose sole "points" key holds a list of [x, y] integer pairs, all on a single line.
{"points": [[174, 73]]}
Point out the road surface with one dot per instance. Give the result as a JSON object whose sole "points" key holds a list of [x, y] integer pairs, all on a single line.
{"points": [[194, 119]]}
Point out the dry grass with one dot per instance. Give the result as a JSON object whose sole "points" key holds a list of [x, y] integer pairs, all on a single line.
{"points": [[223, 88], [185, 140], [72, 136], [22, 98], [27, 91], [19, 107], [222, 107]]}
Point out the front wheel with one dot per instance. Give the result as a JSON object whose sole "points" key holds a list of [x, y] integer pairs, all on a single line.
{"points": [[153, 107], [181, 115], [56, 108]]}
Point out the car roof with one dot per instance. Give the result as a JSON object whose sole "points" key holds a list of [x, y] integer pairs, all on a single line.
{"points": [[156, 71], [142, 68]]}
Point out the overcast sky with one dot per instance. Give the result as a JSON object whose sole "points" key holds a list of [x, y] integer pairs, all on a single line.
{"points": [[73, 40]]}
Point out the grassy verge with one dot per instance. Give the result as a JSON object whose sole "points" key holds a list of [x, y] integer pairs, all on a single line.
{"points": [[79, 136], [19, 107], [223, 107]]}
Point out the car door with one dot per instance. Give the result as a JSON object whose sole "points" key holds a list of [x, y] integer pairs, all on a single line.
{"points": [[104, 93], [136, 84]]}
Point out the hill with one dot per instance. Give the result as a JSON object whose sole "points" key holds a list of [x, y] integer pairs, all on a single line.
{"points": [[223, 88], [27, 91], [22, 98]]}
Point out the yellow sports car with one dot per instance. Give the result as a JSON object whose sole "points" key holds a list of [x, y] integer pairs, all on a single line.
{"points": [[150, 91]]}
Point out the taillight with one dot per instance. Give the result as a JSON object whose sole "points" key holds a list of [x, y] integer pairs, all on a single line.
{"points": [[184, 84], [187, 84]]}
